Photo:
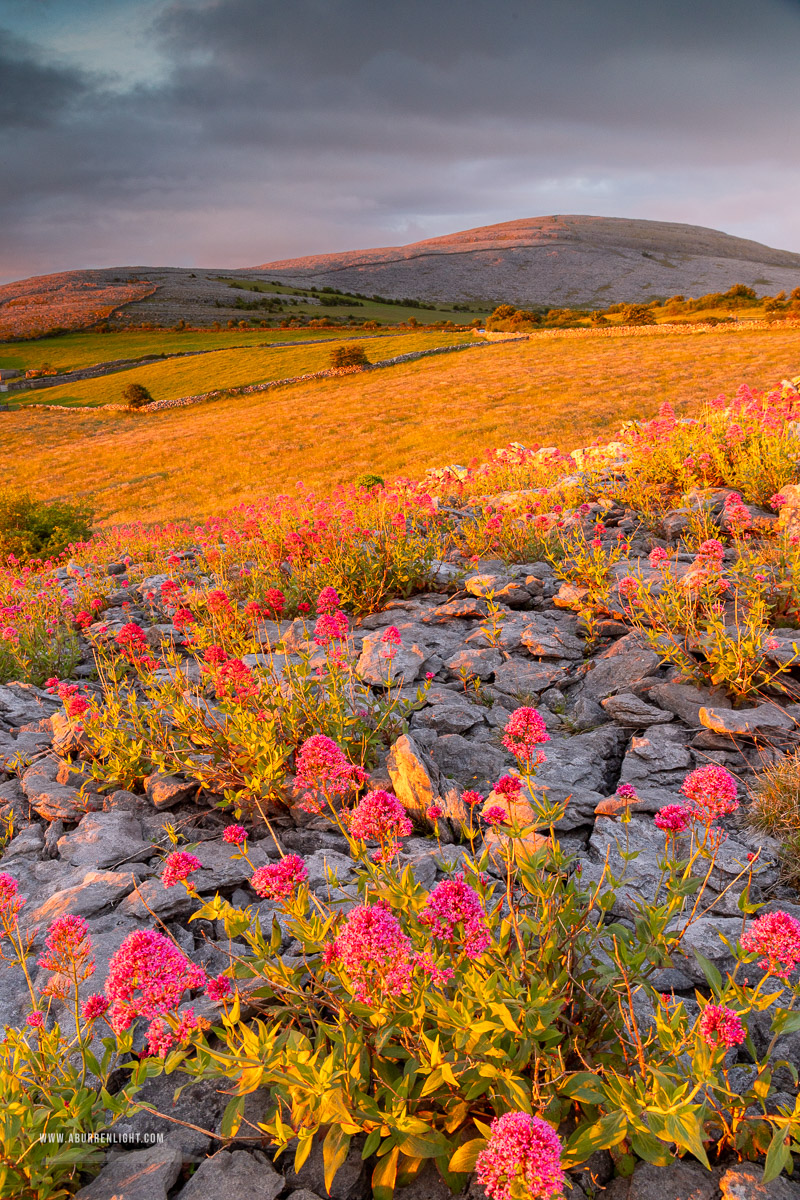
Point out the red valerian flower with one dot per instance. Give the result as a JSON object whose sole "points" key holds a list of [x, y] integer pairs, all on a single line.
{"points": [[147, 977], [712, 790], [776, 937], [279, 881], [455, 914], [178, 866], [373, 950], [234, 835], [524, 731], [673, 818], [721, 1026], [521, 1150]]}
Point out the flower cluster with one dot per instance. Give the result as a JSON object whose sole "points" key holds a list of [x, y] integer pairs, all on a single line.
{"points": [[147, 977], [775, 937], [10, 900], [712, 791], [524, 731], [234, 835], [454, 914], [381, 817], [68, 949], [178, 866], [721, 1026], [321, 766], [522, 1151], [374, 952], [673, 818], [278, 881]]}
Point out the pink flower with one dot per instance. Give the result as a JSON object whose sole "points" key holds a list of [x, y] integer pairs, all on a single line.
{"points": [[392, 641], [177, 866], [454, 903], [628, 587], [712, 790], [434, 812], [711, 549], [35, 1020], [218, 988], [524, 730], [508, 785], [657, 555], [720, 1026], [328, 600], [218, 603], [373, 950], [94, 1006], [275, 600], [776, 937], [67, 947], [471, 798], [278, 881], [235, 835], [380, 816], [673, 818], [626, 791], [160, 1039], [330, 627], [147, 977], [521, 1150], [496, 815], [322, 767], [10, 900], [777, 500]]}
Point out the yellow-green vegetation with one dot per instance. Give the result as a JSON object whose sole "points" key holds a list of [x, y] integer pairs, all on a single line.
{"points": [[776, 811], [72, 351], [177, 377], [327, 302], [200, 459]]}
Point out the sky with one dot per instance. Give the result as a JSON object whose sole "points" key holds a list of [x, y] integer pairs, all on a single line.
{"points": [[235, 132]]}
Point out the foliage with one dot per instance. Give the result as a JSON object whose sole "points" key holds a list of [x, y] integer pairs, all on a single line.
{"points": [[31, 528], [349, 355], [136, 395]]}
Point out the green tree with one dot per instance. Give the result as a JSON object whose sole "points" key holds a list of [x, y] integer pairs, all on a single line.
{"points": [[136, 395], [349, 355]]}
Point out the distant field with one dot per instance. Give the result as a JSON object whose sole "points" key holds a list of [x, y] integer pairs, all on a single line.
{"points": [[199, 460], [176, 377], [72, 351]]}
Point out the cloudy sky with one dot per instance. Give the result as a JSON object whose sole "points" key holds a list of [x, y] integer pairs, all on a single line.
{"points": [[233, 132]]}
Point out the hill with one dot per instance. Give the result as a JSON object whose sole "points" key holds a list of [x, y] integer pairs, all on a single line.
{"points": [[580, 260]]}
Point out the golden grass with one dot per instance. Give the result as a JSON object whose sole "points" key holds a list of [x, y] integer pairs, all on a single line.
{"points": [[72, 351], [177, 377], [202, 459]]}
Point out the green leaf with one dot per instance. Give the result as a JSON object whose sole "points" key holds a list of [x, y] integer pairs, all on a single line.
{"points": [[232, 1117], [713, 977], [649, 1148], [384, 1176], [684, 1130], [424, 1145], [334, 1152], [584, 1086], [371, 1144], [465, 1157], [305, 1140], [608, 1131], [778, 1156]]}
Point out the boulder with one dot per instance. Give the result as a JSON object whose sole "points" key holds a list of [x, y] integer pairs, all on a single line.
{"points": [[140, 1175], [376, 668], [471, 764], [685, 700], [105, 839], [627, 709], [474, 663], [521, 677], [99, 890], [165, 791], [766, 718], [624, 663], [745, 1181], [230, 1174]]}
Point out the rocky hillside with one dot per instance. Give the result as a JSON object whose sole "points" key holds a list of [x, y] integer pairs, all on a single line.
{"points": [[555, 260]]}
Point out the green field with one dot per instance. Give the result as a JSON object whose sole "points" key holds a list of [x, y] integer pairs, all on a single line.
{"points": [[177, 377], [72, 351], [361, 309]]}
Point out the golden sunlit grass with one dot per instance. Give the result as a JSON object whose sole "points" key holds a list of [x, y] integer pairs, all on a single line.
{"points": [[177, 377], [202, 459], [72, 351]]}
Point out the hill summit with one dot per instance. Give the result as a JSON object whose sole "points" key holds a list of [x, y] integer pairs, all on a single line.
{"points": [[570, 260]]}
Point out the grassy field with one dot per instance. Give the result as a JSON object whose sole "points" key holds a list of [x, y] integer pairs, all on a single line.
{"points": [[72, 351], [199, 460], [176, 377], [363, 310]]}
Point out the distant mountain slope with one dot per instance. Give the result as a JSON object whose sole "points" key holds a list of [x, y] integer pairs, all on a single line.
{"points": [[554, 260]]}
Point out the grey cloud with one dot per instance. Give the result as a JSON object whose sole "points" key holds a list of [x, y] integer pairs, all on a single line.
{"points": [[283, 129]]}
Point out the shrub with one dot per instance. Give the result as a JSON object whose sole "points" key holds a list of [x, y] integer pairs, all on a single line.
{"points": [[637, 314], [136, 395], [776, 810], [369, 481], [31, 528], [349, 355]]}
